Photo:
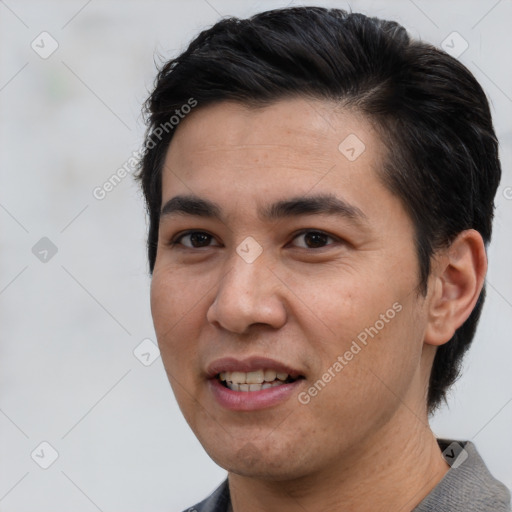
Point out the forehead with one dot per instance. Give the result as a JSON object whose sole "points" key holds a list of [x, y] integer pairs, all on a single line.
{"points": [[302, 125], [290, 148]]}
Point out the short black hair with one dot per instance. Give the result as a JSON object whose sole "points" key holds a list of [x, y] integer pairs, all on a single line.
{"points": [[428, 108]]}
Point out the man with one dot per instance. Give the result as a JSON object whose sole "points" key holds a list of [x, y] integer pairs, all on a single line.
{"points": [[320, 192]]}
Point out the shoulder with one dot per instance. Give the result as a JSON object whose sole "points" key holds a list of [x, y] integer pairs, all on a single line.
{"points": [[468, 486]]}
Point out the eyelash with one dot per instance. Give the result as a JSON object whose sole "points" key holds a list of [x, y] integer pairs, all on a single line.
{"points": [[176, 240]]}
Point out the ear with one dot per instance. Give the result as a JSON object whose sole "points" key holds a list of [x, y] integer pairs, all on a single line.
{"points": [[455, 284]]}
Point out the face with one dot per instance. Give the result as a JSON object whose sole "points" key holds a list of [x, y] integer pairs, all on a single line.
{"points": [[284, 289]]}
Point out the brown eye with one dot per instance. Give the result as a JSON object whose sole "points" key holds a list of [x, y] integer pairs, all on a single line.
{"points": [[195, 239], [314, 239]]}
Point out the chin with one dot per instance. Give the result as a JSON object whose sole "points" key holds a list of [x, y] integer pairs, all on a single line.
{"points": [[249, 459]]}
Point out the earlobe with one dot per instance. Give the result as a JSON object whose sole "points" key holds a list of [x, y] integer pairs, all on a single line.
{"points": [[456, 282]]}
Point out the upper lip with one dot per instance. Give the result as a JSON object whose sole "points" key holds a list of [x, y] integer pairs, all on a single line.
{"points": [[231, 364]]}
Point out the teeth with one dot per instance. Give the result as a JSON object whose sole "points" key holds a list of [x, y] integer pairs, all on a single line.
{"points": [[252, 387], [270, 375], [255, 377], [238, 377], [253, 381]]}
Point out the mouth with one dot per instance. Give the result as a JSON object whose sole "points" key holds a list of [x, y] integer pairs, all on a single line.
{"points": [[252, 383], [257, 380]]}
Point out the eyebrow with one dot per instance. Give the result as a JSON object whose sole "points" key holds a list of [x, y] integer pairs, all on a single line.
{"points": [[327, 204]]}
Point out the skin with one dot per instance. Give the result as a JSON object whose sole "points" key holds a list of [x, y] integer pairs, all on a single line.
{"points": [[363, 442]]}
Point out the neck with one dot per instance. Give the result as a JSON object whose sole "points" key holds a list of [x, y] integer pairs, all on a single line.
{"points": [[394, 470]]}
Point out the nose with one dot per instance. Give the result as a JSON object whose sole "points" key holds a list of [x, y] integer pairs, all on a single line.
{"points": [[248, 294]]}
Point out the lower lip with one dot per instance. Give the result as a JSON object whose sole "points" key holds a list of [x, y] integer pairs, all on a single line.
{"points": [[251, 400]]}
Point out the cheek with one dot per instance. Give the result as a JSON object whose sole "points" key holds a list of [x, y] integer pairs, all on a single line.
{"points": [[345, 304], [375, 321], [175, 296], [374, 376], [174, 306], [165, 309]]}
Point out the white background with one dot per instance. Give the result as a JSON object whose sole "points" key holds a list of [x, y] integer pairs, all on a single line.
{"points": [[68, 375]]}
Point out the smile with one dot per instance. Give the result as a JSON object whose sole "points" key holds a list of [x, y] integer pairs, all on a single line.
{"points": [[254, 380]]}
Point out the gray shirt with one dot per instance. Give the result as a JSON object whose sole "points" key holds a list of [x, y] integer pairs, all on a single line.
{"points": [[468, 486]]}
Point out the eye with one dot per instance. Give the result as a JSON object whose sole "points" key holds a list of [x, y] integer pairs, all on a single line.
{"points": [[196, 239], [313, 239]]}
